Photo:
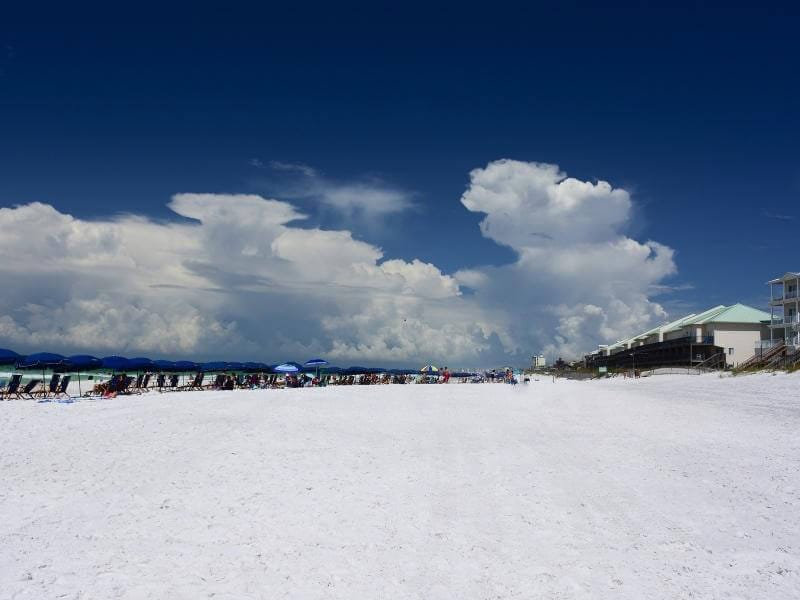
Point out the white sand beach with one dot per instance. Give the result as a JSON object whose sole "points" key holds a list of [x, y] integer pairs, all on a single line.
{"points": [[669, 487]]}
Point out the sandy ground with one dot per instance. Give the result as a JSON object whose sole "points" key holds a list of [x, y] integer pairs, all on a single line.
{"points": [[672, 487]]}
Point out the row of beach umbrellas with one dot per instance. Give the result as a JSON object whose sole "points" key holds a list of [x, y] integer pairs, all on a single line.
{"points": [[85, 362]]}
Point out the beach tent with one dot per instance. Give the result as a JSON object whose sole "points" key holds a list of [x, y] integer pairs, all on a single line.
{"points": [[8, 357]]}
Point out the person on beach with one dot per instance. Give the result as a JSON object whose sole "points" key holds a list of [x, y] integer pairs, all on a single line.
{"points": [[446, 375]]}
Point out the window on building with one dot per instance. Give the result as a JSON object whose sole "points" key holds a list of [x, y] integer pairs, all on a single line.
{"points": [[730, 350]]}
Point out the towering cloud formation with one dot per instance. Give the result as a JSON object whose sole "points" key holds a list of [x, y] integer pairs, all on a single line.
{"points": [[577, 279], [239, 278]]}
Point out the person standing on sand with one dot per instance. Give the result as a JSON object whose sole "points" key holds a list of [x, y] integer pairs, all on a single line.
{"points": [[446, 375]]}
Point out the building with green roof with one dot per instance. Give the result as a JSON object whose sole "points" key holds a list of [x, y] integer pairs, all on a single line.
{"points": [[734, 331]]}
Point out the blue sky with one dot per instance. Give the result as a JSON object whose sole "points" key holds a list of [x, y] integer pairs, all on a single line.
{"points": [[692, 110]]}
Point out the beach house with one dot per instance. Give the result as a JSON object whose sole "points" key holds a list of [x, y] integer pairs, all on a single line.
{"points": [[720, 336], [784, 308]]}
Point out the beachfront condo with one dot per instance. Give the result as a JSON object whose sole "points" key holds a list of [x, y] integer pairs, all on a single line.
{"points": [[784, 308]]}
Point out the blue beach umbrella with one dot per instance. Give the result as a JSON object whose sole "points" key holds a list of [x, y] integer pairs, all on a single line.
{"points": [[140, 363], [186, 365], [289, 367], [315, 362], [8, 357], [116, 363], [429, 369], [85, 362], [42, 360], [214, 366], [164, 365]]}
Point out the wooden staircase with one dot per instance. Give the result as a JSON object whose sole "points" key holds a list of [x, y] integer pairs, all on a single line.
{"points": [[760, 359]]}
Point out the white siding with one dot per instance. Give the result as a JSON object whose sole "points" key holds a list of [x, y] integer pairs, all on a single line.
{"points": [[742, 337]]}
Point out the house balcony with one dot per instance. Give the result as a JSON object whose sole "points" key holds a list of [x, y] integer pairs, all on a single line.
{"points": [[782, 297], [782, 321]]}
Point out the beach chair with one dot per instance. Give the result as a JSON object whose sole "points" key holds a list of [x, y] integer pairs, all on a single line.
{"points": [[173, 381], [62, 387], [27, 393], [196, 383], [52, 387], [12, 388], [161, 380], [218, 381]]}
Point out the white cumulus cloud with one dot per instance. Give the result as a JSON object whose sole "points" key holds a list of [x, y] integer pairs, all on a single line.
{"points": [[244, 277]]}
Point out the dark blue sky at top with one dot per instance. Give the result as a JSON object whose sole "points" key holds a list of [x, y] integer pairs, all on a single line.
{"points": [[693, 108]]}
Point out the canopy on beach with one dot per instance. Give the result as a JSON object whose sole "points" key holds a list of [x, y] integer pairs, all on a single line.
{"points": [[42, 360], [8, 357]]}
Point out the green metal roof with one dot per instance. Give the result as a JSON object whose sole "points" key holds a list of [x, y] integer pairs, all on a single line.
{"points": [[737, 313]]}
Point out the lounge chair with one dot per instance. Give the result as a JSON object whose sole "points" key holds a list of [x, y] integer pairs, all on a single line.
{"points": [[52, 387], [196, 383], [12, 388], [27, 392], [218, 381], [62, 387]]}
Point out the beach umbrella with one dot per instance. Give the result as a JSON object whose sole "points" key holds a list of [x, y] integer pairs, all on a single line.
{"points": [[84, 362], [214, 366], [42, 360], [164, 365], [8, 357], [186, 365], [315, 362], [429, 369], [116, 363], [289, 367], [140, 363]]}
